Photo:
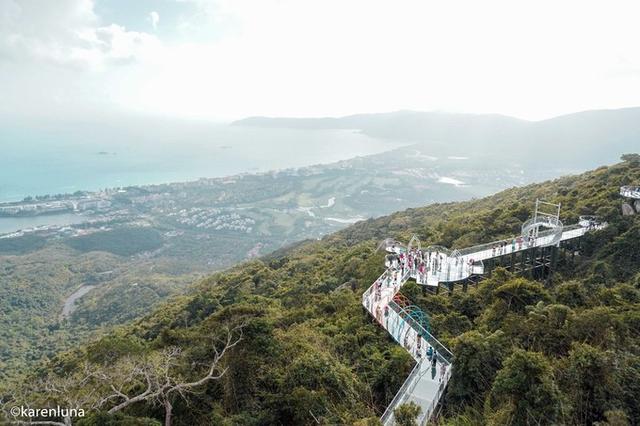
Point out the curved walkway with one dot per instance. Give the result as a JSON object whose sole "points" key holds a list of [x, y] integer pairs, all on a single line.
{"points": [[444, 266], [426, 383], [409, 326]]}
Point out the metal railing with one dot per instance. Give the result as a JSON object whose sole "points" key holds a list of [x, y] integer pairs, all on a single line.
{"points": [[532, 228], [436, 400], [444, 354], [370, 291], [488, 246], [398, 318], [407, 387], [463, 252], [630, 191], [482, 247], [460, 264], [405, 330]]}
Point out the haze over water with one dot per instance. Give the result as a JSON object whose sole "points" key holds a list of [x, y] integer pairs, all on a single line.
{"points": [[51, 161]]}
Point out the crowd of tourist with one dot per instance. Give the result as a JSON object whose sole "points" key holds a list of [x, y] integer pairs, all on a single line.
{"points": [[421, 264], [399, 267], [444, 266]]}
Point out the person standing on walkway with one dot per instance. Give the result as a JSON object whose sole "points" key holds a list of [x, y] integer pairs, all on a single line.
{"points": [[434, 363]]}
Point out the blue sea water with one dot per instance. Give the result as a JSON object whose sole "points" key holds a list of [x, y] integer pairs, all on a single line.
{"points": [[52, 160], [13, 224]]}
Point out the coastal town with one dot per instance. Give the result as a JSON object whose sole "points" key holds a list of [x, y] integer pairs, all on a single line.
{"points": [[29, 207], [198, 221]]}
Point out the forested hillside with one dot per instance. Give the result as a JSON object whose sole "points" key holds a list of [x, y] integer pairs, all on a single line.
{"points": [[564, 352]]}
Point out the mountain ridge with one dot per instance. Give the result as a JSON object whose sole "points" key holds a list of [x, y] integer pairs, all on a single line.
{"points": [[586, 138], [256, 119]]}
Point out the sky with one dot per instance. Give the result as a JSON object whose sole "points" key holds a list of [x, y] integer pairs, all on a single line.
{"points": [[228, 59]]}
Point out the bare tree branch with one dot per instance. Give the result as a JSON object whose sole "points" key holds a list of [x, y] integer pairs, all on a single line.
{"points": [[154, 378], [161, 383]]}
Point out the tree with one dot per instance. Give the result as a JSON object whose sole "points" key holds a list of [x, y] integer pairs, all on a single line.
{"points": [[589, 374], [633, 159], [599, 326], [369, 421], [67, 391], [572, 294], [509, 302], [545, 329], [407, 414], [158, 379], [478, 358], [524, 388], [614, 418], [518, 293], [153, 378], [118, 419]]}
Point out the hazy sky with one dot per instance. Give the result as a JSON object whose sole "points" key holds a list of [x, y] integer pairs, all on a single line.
{"points": [[233, 58]]}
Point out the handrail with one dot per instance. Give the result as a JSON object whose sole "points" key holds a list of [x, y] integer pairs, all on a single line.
{"points": [[368, 291], [402, 316], [436, 400], [630, 191], [485, 246], [401, 392], [572, 227], [440, 348], [482, 247]]}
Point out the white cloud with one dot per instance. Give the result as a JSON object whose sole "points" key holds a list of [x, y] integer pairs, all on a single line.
{"points": [[531, 59], [297, 57], [66, 32], [155, 18]]}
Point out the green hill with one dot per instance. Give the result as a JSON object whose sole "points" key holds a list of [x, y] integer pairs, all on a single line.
{"points": [[526, 353]]}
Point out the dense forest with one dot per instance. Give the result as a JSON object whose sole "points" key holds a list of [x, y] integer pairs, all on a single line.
{"points": [[283, 340], [125, 241]]}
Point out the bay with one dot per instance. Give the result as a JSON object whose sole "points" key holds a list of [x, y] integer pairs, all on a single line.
{"points": [[39, 159], [45, 161], [12, 224]]}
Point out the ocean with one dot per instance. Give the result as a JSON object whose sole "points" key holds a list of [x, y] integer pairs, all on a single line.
{"points": [[57, 163], [12, 224], [52, 160]]}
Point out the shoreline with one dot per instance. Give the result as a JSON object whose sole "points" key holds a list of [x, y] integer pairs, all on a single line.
{"points": [[40, 198], [43, 212]]}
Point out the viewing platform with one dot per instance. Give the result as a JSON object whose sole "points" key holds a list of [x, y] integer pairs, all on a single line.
{"points": [[630, 192], [409, 326], [437, 264]]}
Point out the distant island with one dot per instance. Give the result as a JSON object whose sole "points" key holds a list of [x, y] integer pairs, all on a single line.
{"points": [[586, 137]]}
